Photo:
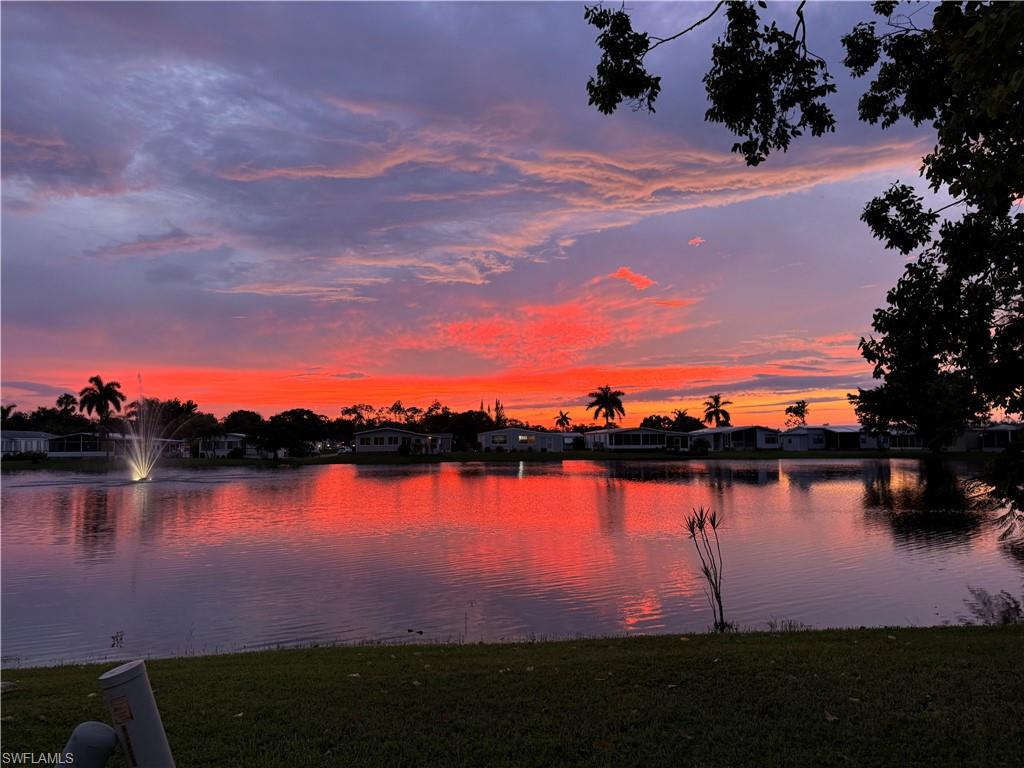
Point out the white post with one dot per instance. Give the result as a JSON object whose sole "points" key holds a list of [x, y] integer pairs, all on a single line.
{"points": [[135, 716]]}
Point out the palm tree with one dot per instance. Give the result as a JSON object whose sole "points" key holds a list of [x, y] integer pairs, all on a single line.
{"points": [[563, 421], [606, 402], [714, 410], [99, 397], [67, 404], [6, 411]]}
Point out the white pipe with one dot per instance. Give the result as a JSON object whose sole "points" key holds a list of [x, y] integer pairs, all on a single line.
{"points": [[135, 716], [91, 745]]}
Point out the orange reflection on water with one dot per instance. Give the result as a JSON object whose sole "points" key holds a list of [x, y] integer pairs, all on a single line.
{"points": [[220, 559]]}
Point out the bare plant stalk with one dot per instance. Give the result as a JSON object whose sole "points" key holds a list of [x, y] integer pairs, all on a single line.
{"points": [[698, 524]]}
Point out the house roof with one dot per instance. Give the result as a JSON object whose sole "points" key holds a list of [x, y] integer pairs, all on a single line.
{"points": [[623, 430], [390, 429], [730, 430], [17, 434], [402, 431], [846, 429], [516, 429], [114, 436], [1003, 427]]}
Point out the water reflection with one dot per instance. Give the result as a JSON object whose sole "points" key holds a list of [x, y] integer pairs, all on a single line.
{"points": [[217, 560], [925, 504]]}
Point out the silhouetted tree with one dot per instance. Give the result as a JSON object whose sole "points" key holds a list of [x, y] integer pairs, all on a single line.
{"points": [[361, 413], [684, 422], [500, 419], [100, 397], [67, 403], [950, 343], [606, 402], [563, 421], [54, 421], [294, 430], [714, 411], [654, 421], [796, 414], [244, 422], [6, 411]]}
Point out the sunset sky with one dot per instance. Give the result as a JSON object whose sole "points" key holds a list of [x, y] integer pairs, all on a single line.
{"points": [[275, 205]]}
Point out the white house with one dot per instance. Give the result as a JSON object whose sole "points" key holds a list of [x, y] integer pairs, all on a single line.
{"points": [[17, 441], [522, 439], [636, 439], [828, 437], [88, 445], [396, 440], [736, 438], [222, 445]]}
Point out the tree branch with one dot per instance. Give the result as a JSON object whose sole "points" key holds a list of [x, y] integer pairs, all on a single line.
{"points": [[690, 28]]}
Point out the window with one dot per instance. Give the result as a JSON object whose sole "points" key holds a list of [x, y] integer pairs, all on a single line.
{"points": [[378, 441], [392, 440], [364, 441], [499, 439], [527, 439], [771, 439]]}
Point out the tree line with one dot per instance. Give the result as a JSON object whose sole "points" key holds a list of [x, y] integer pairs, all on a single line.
{"points": [[101, 406]]}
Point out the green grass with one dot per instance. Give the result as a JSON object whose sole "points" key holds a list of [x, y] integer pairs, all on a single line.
{"points": [[103, 465], [896, 697]]}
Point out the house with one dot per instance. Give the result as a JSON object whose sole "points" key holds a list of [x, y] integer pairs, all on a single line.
{"points": [[522, 439], [89, 445], [754, 438], [713, 438], [830, 438], [996, 437], [223, 445], [405, 441], [636, 439], [16, 441], [571, 439]]}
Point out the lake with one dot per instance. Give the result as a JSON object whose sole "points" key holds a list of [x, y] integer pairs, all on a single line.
{"points": [[206, 561]]}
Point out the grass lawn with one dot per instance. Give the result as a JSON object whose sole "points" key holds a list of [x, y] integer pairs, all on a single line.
{"points": [[890, 697]]}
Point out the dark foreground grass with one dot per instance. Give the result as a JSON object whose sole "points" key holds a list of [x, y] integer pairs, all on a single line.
{"points": [[904, 697]]}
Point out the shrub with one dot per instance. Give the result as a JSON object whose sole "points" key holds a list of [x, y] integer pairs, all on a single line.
{"points": [[698, 524], [34, 456]]}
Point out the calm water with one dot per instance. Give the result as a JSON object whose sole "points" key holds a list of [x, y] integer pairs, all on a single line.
{"points": [[208, 561]]}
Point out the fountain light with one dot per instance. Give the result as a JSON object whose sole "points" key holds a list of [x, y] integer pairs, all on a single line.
{"points": [[144, 445]]}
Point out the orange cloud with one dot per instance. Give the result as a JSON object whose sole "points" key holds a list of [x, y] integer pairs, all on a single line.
{"points": [[696, 241]]}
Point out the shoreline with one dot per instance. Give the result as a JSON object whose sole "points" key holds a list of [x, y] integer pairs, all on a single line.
{"points": [[888, 696], [105, 465]]}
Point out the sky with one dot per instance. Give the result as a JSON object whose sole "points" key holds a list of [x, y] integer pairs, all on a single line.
{"points": [[270, 206]]}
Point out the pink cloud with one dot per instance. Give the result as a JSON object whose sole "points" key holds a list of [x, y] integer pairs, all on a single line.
{"points": [[174, 240], [695, 241], [638, 281]]}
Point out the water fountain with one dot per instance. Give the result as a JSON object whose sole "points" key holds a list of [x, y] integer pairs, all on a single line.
{"points": [[144, 441]]}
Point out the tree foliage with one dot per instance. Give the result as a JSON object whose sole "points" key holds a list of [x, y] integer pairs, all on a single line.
{"points": [[679, 421], [100, 397], [606, 403], [796, 414], [764, 84], [714, 411], [949, 346]]}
